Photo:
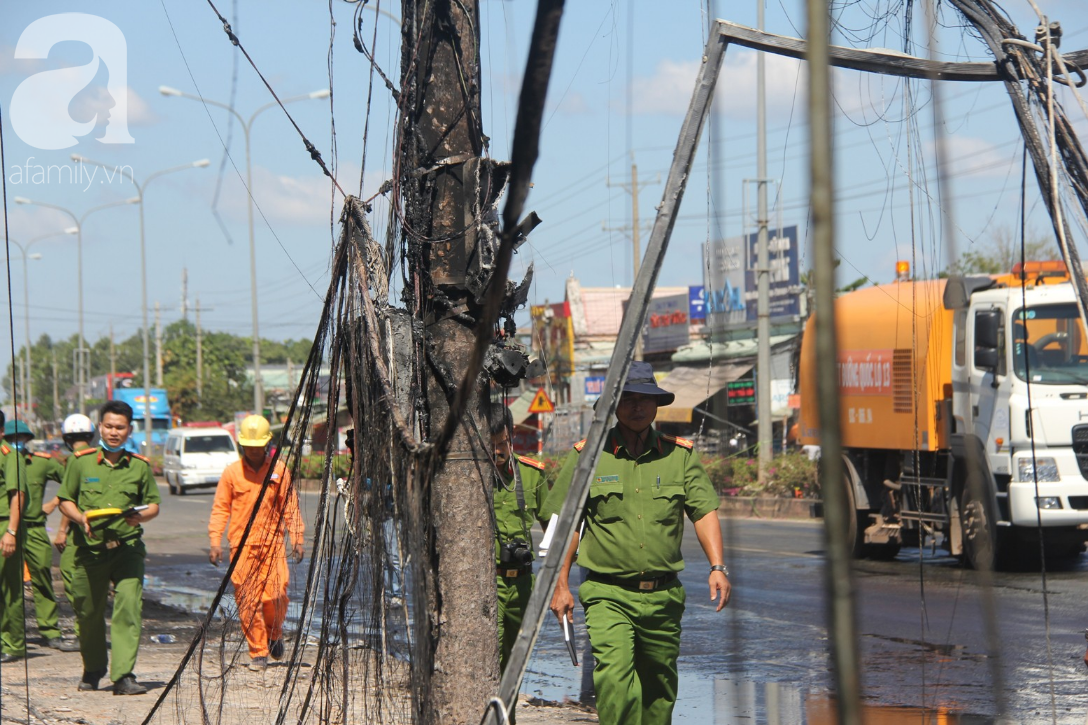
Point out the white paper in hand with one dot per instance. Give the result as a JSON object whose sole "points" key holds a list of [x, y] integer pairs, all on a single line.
{"points": [[546, 542]]}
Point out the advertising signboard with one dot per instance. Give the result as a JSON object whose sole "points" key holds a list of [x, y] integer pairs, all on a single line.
{"points": [[785, 277], [696, 304], [594, 387], [730, 291], [667, 326]]}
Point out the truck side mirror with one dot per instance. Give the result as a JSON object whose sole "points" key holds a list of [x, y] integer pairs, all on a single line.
{"points": [[987, 327], [986, 358], [987, 324]]}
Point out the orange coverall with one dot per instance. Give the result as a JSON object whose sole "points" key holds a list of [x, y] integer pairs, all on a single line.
{"points": [[260, 577]]}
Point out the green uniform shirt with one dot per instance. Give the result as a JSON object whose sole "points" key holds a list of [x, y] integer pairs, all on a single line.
{"points": [[10, 482], [513, 524], [634, 514], [91, 482], [34, 469]]}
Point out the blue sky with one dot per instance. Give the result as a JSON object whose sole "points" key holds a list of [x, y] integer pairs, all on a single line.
{"points": [[592, 122]]}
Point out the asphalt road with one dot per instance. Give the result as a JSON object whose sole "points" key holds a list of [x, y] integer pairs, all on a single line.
{"points": [[921, 626]]}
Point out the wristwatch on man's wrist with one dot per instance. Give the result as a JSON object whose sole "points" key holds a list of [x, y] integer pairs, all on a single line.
{"points": [[12, 532], [722, 568]]}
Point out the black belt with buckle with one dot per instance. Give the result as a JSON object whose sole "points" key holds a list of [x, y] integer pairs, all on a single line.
{"points": [[111, 543], [513, 573], [34, 524], [644, 585]]}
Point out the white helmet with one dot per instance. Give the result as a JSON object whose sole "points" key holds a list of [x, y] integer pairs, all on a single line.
{"points": [[77, 424]]}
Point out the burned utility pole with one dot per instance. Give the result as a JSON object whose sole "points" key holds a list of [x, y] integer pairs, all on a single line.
{"points": [[445, 184]]}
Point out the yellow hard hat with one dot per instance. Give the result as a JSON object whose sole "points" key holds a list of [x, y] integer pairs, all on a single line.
{"points": [[254, 432]]}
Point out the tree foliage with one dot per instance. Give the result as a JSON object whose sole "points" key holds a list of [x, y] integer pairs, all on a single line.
{"points": [[225, 357], [1001, 252]]}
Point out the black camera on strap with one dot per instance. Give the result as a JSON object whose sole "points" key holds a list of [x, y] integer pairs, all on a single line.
{"points": [[515, 554]]}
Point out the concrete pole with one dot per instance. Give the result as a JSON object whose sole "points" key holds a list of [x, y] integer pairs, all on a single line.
{"points": [[763, 272], [199, 357], [185, 293], [258, 382], [28, 373], [113, 364], [636, 242], [441, 122], [147, 451], [56, 393], [838, 569], [158, 345]]}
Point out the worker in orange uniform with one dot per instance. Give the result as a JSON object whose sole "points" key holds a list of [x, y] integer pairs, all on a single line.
{"points": [[260, 574]]}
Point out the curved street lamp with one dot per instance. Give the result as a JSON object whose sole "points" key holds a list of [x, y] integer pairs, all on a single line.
{"points": [[81, 368], [247, 125], [139, 200], [24, 251]]}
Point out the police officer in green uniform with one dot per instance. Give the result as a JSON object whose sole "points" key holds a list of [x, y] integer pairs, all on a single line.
{"points": [[35, 469], [109, 550], [12, 502], [515, 511], [77, 431], [644, 484]]}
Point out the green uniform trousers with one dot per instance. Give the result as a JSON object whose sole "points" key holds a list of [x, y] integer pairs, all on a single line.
{"points": [[94, 570], [67, 571], [513, 596], [39, 560], [636, 639], [12, 624]]}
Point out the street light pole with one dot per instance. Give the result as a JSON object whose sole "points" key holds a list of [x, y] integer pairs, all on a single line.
{"points": [[81, 369], [24, 252], [139, 200], [247, 125]]}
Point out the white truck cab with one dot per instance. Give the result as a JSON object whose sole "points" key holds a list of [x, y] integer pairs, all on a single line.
{"points": [[1020, 407]]}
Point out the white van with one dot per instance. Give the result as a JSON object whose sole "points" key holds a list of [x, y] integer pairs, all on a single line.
{"points": [[196, 457]]}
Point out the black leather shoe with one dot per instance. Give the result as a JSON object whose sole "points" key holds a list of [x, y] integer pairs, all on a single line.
{"points": [[275, 648], [128, 685], [89, 682], [6, 658]]}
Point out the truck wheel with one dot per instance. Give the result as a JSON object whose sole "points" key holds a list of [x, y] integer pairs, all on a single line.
{"points": [[856, 521], [170, 485], [978, 530]]}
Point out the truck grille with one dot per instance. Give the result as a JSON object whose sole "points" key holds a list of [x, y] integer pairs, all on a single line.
{"points": [[1080, 447]]}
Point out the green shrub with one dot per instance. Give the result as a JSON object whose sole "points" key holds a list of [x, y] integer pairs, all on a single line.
{"points": [[313, 466]]}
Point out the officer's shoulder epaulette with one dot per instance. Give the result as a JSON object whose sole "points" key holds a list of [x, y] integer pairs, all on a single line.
{"points": [[531, 462], [580, 445], [84, 452], [145, 459], [4, 448], [39, 454], [682, 442]]}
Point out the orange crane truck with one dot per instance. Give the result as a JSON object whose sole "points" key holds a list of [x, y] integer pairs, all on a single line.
{"points": [[941, 380]]}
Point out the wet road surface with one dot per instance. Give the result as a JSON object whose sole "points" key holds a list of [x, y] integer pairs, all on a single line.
{"points": [[921, 628]]}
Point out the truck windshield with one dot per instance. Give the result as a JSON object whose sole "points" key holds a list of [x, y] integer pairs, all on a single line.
{"points": [[157, 424], [1049, 345], [209, 444]]}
